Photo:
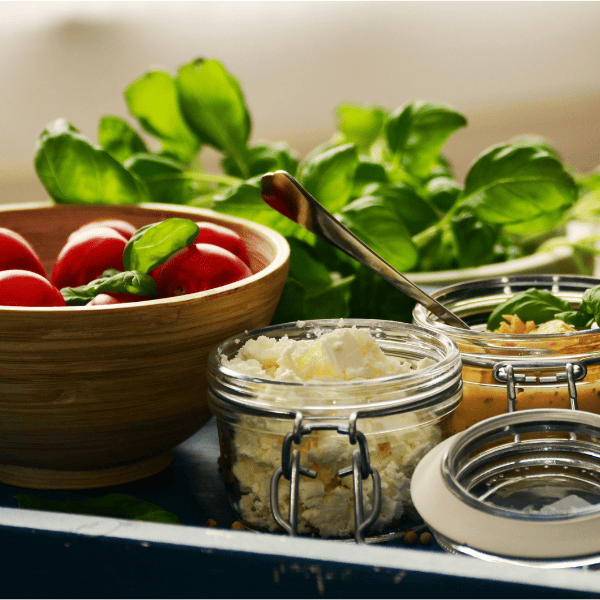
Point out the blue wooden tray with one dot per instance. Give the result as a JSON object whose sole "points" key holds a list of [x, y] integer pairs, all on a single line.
{"points": [[51, 555]]}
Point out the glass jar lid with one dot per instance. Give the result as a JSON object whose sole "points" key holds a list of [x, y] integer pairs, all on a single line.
{"points": [[519, 487]]}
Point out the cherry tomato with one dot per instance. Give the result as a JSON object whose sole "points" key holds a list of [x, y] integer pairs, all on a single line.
{"points": [[211, 233], [19, 287], [115, 298], [198, 268], [125, 228], [17, 253], [217, 235], [85, 256]]}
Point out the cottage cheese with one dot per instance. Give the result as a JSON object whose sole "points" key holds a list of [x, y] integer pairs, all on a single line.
{"points": [[396, 443]]}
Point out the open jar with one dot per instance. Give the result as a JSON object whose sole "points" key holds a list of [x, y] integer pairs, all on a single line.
{"points": [[537, 357], [328, 457]]}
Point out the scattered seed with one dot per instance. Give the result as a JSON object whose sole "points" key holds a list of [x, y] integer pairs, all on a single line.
{"points": [[410, 538], [210, 523], [426, 538], [237, 525]]}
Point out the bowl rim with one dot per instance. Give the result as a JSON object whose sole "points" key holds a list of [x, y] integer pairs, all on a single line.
{"points": [[523, 264], [282, 255]]}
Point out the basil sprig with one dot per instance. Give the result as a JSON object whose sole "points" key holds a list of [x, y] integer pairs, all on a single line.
{"points": [[124, 282]]}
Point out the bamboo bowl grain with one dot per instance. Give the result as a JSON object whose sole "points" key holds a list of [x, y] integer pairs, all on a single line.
{"points": [[97, 396]]}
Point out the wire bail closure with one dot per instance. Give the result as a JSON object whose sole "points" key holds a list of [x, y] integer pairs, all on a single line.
{"points": [[360, 470], [574, 370]]}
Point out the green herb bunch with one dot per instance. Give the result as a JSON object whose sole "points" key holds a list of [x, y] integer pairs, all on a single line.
{"points": [[383, 174]]}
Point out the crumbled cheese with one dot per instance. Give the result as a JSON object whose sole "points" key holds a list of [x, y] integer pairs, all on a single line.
{"points": [[513, 324], [396, 442], [341, 354], [554, 326]]}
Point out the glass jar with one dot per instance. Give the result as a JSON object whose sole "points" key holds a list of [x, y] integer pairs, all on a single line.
{"points": [[328, 455], [536, 358]]}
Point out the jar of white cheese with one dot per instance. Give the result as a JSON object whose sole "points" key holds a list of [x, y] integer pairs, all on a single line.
{"points": [[322, 423]]}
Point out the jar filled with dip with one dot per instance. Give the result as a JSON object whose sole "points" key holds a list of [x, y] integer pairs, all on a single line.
{"points": [[538, 355], [322, 423]]}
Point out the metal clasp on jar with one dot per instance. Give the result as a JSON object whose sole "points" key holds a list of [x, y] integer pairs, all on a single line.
{"points": [[575, 370], [292, 470]]}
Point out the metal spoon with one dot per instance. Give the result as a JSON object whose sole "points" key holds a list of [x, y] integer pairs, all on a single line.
{"points": [[283, 193]]}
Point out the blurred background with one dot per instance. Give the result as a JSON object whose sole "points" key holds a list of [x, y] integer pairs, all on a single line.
{"points": [[511, 68]]}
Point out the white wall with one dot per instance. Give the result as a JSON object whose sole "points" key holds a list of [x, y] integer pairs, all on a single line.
{"points": [[510, 67]]}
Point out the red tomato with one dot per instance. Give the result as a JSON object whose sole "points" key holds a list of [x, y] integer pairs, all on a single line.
{"points": [[86, 255], [17, 253], [125, 228], [115, 298], [19, 287], [217, 235], [210, 233], [198, 268]]}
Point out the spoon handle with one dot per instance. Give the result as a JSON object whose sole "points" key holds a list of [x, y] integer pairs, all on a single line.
{"points": [[283, 193]]}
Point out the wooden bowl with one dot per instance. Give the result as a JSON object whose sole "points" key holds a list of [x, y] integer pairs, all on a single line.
{"points": [[96, 396]]}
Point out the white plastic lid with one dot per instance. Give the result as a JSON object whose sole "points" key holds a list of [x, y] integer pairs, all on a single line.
{"points": [[523, 485]]}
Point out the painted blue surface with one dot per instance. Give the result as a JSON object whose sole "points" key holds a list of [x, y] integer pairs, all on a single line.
{"points": [[63, 555]]}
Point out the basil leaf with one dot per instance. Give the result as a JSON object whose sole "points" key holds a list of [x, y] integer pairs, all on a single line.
{"points": [[590, 303], [245, 201], [120, 506], [213, 105], [367, 174], [589, 181], [291, 306], [263, 158], [329, 176], [587, 208], [154, 101], [416, 133], [415, 212], [305, 265], [311, 290], [166, 180], [373, 297], [535, 141], [442, 192], [474, 240], [152, 245], [126, 282], [512, 184], [539, 225], [575, 319], [119, 139], [531, 305], [377, 225], [437, 249], [73, 170], [360, 124]]}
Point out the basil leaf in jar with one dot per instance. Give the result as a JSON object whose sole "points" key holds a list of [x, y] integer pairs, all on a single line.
{"points": [[590, 303], [535, 305]]}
